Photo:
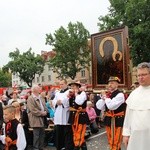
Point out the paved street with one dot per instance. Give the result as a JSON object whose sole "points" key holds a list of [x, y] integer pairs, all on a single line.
{"points": [[94, 142], [99, 141]]}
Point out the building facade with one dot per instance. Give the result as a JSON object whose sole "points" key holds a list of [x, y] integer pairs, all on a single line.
{"points": [[48, 77]]}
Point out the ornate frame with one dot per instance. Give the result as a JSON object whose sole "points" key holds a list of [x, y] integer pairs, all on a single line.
{"points": [[110, 57]]}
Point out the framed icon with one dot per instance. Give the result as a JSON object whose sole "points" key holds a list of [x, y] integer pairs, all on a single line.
{"points": [[110, 57]]}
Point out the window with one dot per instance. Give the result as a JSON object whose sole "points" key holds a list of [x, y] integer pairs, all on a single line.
{"points": [[82, 73], [49, 77], [38, 80], [17, 75], [42, 78]]}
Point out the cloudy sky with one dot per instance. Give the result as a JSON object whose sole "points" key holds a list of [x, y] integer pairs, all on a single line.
{"points": [[24, 23]]}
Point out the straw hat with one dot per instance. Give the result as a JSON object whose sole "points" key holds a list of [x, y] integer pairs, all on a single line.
{"points": [[77, 83]]}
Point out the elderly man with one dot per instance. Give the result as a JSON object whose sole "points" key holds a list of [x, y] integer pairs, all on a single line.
{"points": [[114, 106], [136, 129], [36, 112]]}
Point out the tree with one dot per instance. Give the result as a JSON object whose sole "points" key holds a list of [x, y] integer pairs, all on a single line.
{"points": [[72, 52], [26, 65], [5, 79], [135, 15]]}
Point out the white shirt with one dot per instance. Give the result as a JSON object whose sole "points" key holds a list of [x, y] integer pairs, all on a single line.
{"points": [[81, 98], [112, 104]]}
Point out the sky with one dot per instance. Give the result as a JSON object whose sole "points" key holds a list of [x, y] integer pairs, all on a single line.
{"points": [[25, 23]]}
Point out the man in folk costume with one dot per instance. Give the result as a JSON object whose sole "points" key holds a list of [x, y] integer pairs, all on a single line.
{"points": [[78, 115], [64, 138], [114, 106], [136, 129]]}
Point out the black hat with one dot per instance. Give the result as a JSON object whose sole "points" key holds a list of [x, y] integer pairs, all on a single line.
{"points": [[75, 83], [114, 78]]}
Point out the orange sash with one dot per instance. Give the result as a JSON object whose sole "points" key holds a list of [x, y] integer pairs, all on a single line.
{"points": [[76, 119], [78, 129], [113, 115], [9, 142]]}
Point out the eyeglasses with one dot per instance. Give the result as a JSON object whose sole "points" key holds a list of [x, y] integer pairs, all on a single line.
{"points": [[142, 75]]}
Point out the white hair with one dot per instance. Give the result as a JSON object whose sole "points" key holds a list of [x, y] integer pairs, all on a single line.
{"points": [[89, 103], [144, 65], [34, 87]]}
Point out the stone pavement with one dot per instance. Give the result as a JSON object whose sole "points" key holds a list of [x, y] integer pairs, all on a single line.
{"points": [[95, 142]]}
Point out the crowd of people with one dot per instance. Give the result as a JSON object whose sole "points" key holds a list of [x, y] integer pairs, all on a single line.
{"points": [[71, 109], [40, 106]]}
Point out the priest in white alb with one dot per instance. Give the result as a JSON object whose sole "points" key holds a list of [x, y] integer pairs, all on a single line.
{"points": [[136, 129]]}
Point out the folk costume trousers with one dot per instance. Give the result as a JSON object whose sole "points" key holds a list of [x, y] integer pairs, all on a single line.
{"points": [[114, 136], [79, 135], [114, 133]]}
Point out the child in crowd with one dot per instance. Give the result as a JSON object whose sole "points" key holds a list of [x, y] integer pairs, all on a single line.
{"points": [[22, 116], [14, 137]]}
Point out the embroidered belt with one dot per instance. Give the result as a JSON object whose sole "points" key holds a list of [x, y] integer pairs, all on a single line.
{"points": [[112, 114]]}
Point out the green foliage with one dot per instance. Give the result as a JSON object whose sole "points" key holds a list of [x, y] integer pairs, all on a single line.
{"points": [[72, 52], [135, 15], [26, 65], [5, 79]]}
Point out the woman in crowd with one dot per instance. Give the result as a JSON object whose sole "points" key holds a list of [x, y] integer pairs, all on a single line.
{"points": [[92, 117]]}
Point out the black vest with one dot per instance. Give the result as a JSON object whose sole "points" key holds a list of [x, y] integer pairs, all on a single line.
{"points": [[11, 131], [83, 116]]}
